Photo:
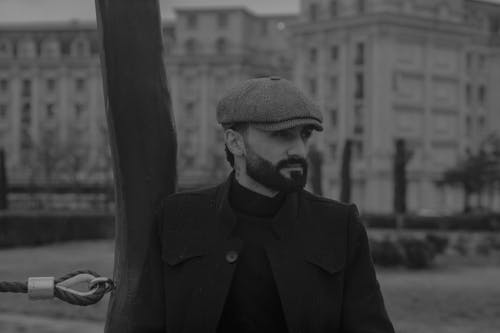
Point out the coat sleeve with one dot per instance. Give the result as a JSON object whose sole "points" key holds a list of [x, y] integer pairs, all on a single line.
{"points": [[148, 315], [363, 305]]}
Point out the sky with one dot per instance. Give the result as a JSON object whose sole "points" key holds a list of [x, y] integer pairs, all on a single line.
{"points": [[21, 11], [12, 11]]}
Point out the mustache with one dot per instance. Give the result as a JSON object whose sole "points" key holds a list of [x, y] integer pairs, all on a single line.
{"points": [[294, 160]]}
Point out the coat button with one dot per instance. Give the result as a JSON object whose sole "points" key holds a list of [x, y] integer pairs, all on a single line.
{"points": [[231, 256]]}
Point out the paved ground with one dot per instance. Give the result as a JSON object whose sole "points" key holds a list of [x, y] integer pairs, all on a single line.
{"points": [[457, 296], [17, 323]]}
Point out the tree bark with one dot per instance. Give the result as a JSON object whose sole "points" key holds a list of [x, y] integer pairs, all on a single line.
{"points": [[345, 172], [3, 182], [400, 180], [142, 139]]}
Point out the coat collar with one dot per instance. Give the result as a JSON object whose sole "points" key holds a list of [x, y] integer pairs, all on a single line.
{"points": [[283, 222]]}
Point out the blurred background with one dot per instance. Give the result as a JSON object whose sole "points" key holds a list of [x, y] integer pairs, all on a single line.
{"points": [[409, 93]]}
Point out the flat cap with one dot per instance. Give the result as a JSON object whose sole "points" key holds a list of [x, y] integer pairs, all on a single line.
{"points": [[270, 103]]}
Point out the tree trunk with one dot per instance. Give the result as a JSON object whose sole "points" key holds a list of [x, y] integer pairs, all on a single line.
{"points": [[142, 140], [345, 176], [400, 180], [316, 160], [3, 182]]}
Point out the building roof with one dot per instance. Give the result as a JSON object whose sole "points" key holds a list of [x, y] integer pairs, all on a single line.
{"points": [[49, 26]]}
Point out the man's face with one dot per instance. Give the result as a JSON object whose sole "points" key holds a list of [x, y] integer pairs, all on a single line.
{"points": [[277, 159]]}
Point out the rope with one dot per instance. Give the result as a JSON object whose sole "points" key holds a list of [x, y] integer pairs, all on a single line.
{"points": [[48, 287]]}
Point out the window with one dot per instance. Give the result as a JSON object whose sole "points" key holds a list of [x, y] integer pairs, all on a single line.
{"points": [[190, 115], [191, 46], [221, 46], [468, 126], [313, 55], [50, 111], [50, 49], [26, 145], [80, 48], [313, 12], [494, 25], [334, 52], [50, 84], [192, 21], [358, 128], [222, 20], [27, 49], [4, 85], [3, 112], [80, 84], [361, 6], [468, 94], [359, 89], [26, 114], [79, 110], [333, 8], [481, 124], [482, 95], [360, 54], [5, 49], [26, 88], [334, 117]]}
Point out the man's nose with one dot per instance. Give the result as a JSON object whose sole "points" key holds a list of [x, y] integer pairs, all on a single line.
{"points": [[299, 148]]}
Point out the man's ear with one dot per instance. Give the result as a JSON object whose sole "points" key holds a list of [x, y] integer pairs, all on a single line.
{"points": [[234, 142]]}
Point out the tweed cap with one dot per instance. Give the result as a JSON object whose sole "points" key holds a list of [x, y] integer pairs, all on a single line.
{"points": [[270, 103]]}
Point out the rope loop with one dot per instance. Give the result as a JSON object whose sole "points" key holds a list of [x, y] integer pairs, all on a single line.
{"points": [[62, 288]]}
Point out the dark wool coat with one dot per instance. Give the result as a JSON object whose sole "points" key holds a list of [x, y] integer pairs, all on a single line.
{"points": [[320, 261]]}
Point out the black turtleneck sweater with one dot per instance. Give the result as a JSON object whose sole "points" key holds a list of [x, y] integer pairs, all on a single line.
{"points": [[253, 304]]}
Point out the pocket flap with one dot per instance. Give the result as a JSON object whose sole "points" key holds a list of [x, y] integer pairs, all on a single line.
{"points": [[174, 258], [177, 249], [326, 261]]}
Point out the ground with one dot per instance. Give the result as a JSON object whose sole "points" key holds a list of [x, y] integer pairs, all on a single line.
{"points": [[454, 297]]}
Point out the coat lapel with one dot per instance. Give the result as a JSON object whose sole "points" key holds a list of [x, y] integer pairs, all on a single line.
{"points": [[304, 244], [205, 311]]}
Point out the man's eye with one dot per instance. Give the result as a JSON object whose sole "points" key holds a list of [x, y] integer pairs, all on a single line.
{"points": [[282, 134], [306, 134]]}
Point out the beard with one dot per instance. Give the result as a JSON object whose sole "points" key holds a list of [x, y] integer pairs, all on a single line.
{"points": [[269, 175]]}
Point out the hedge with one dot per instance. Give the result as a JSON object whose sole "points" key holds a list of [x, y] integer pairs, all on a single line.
{"points": [[477, 222], [35, 228]]}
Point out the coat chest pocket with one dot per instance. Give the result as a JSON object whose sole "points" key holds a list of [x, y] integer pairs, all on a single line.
{"points": [[183, 269], [177, 251], [326, 262], [181, 258]]}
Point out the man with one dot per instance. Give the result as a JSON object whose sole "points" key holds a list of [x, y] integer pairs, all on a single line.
{"points": [[259, 253]]}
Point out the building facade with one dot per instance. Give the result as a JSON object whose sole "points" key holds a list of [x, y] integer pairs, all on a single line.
{"points": [[51, 98], [52, 103], [381, 70], [214, 49]]}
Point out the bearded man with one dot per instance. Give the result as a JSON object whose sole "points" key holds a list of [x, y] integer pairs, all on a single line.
{"points": [[259, 253]]}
